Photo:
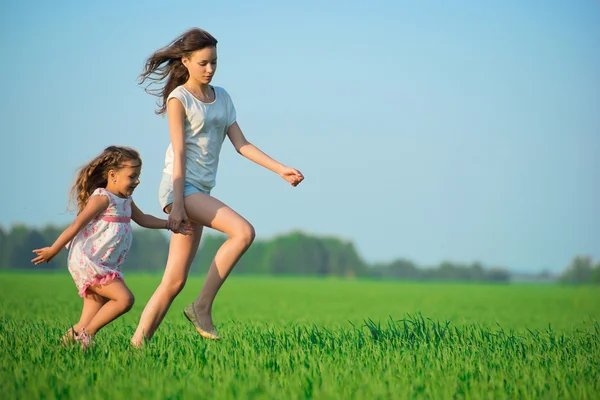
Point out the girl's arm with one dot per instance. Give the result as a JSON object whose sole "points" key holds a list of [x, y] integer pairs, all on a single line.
{"points": [[152, 222], [176, 117], [253, 153], [94, 206]]}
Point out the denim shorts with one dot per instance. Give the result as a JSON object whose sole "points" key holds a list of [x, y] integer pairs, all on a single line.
{"points": [[165, 190]]}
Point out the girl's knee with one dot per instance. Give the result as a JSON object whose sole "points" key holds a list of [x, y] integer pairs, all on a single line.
{"points": [[247, 234], [128, 301], [173, 286]]}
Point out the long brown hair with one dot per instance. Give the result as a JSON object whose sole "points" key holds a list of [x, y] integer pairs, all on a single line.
{"points": [[94, 174], [166, 63]]}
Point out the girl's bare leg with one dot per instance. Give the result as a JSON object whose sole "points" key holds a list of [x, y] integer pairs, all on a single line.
{"points": [[211, 212], [91, 305], [203, 210], [182, 250], [120, 300]]}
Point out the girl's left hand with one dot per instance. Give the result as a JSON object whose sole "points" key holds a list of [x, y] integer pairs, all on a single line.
{"points": [[292, 175], [43, 255], [184, 229]]}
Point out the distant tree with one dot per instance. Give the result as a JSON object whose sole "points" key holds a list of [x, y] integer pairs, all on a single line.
{"points": [[545, 276], [343, 258], [446, 270], [578, 271], [294, 253], [596, 274], [452, 271], [397, 269], [50, 233], [298, 254], [148, 252], [255, 259], [476, 271], [3, 239], [16, 236], [22, 241], [209, 245], [498, 274]]}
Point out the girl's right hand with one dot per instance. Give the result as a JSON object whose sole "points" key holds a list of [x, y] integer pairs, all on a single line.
{"points": [[292, 175], [177, 218], [43, 255]]}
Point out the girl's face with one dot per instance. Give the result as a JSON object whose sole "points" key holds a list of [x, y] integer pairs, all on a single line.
{"points": [[202, 64], [123, 181]]}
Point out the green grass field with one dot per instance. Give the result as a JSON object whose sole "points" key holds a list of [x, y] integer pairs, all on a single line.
{"points": [[296, 338]]}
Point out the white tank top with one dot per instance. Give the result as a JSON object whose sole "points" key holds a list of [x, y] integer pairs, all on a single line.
{"points": [[205, 127]]}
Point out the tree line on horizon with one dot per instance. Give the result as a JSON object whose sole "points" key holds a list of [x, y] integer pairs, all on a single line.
{"points": [[294, 253]]}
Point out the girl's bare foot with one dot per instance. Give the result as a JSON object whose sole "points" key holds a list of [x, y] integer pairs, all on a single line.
{"points": [[137, 343], [69, 337]]}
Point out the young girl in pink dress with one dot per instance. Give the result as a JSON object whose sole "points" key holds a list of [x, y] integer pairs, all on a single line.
{"points": [[100, 237]]}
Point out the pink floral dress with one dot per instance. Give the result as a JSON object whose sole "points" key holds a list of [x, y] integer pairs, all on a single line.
{"points": [[97, 251]]}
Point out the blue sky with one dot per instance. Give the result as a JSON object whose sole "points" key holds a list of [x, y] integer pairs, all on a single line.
{"points": [[431, 130]]}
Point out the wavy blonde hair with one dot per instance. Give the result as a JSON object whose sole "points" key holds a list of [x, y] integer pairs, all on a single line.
{"points": [[94, 174]]}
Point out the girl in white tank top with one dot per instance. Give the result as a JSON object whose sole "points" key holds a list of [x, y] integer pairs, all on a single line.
{"points": [[200, 117]]}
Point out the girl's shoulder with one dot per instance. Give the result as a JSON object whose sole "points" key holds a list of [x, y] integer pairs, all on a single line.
{"points": [[102, 192], [180, 94], [111, 196], [220, 89], [221, 93], [177, 91]]}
